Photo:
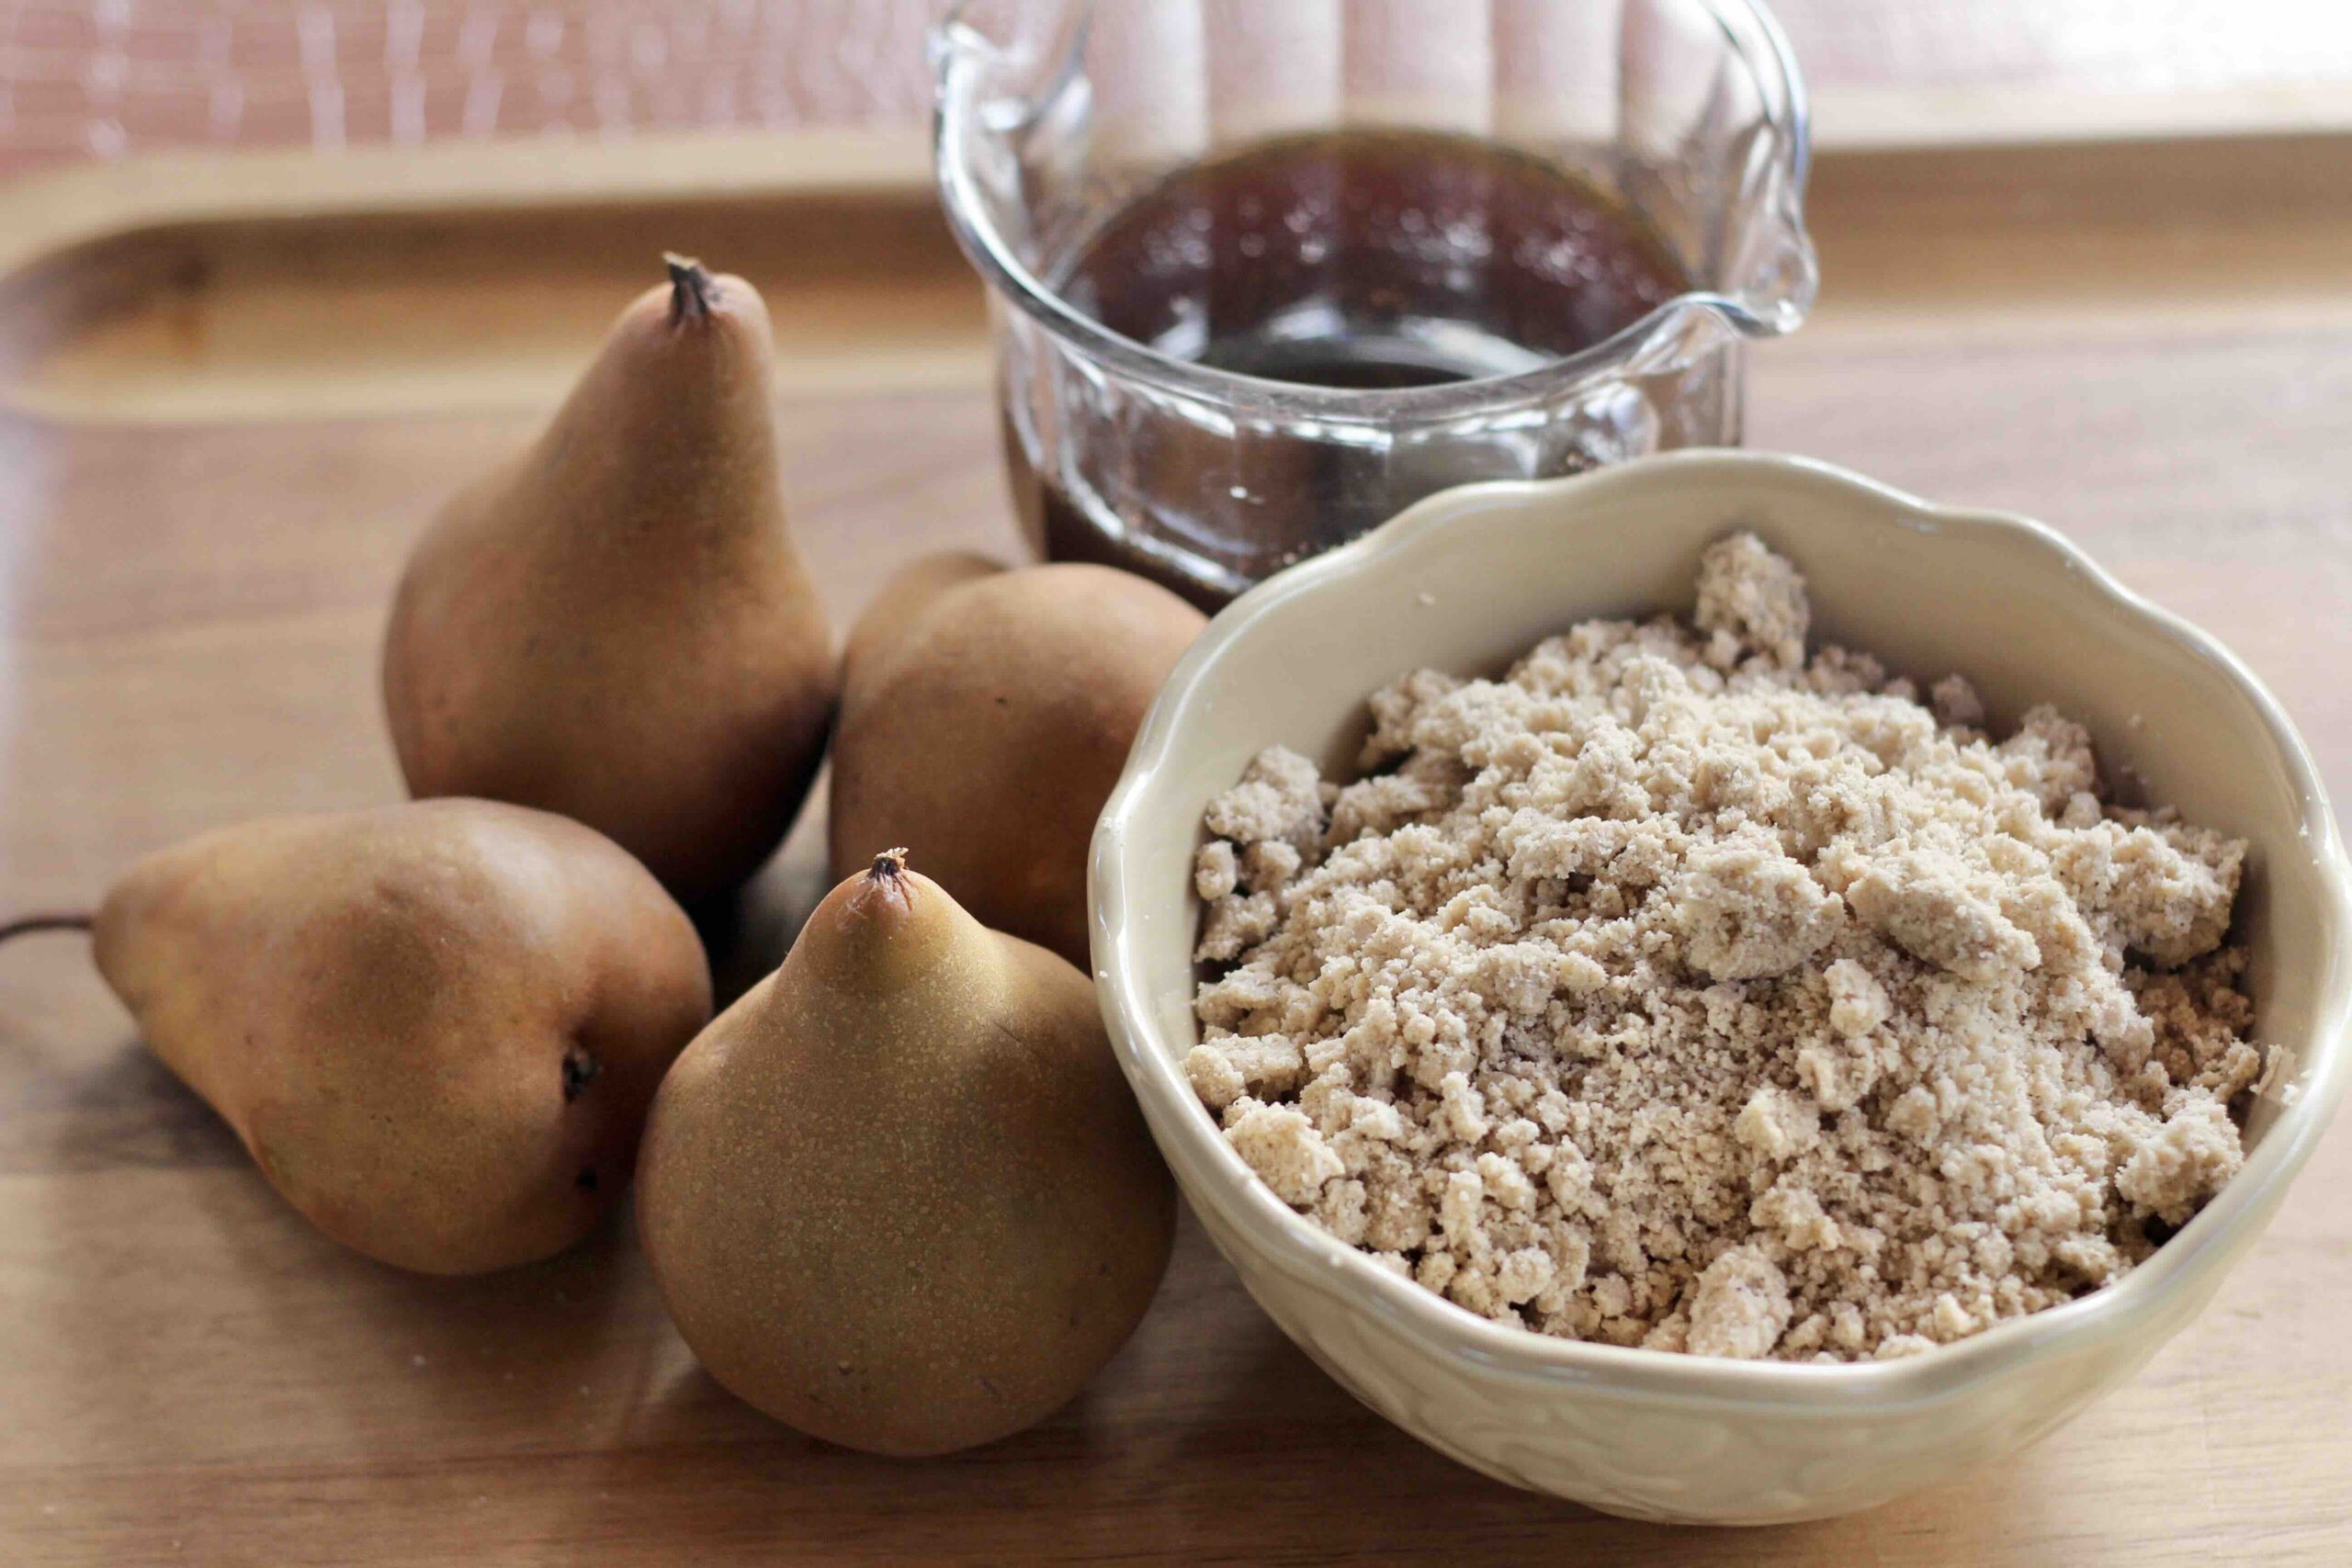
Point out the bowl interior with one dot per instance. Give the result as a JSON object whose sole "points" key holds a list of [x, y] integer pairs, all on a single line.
{"points": [[1466, 581]]}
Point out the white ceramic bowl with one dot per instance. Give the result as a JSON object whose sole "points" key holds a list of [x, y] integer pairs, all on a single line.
{"points": [[1468, 579]]}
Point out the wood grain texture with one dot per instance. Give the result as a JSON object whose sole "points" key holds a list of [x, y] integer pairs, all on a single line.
{"points": [[2153, 354]]}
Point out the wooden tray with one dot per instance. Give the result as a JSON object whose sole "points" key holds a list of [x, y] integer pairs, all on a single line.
{"points": [[233, 390]]}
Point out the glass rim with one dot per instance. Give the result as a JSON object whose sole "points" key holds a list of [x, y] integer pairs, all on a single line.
{"points": [[957, 47]]}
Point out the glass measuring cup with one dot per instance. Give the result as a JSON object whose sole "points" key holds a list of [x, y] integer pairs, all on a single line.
{"points": [[1054, 115]]}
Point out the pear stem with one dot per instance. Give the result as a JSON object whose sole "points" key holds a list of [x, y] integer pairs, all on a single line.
{"points": [[689, 288], [28, 924], [886, 879]]}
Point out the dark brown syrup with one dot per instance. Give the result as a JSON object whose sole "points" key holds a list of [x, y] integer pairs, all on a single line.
{"points": [[1364, 259]]}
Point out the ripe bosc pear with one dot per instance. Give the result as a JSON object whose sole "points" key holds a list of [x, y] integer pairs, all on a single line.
{"points": [[436, 1027], [615, 624], [985, 716], [899, 1196]]}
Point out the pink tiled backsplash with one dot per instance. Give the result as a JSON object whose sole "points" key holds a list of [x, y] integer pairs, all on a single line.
{"points": [[112, 77]]}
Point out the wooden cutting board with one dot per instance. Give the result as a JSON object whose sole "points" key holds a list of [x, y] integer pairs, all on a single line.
{"points": [[231, 391]]}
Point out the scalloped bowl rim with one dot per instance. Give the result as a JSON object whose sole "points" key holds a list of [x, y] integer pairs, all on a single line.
{"points": [[1293, 1243]]}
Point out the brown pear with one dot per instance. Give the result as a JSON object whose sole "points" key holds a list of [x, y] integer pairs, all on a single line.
{"points": [[615, 624], [985, 716], [899, 1196], [436, 1027]]}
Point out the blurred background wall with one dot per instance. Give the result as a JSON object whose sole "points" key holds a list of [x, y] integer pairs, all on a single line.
{"points": [[107, 78]]}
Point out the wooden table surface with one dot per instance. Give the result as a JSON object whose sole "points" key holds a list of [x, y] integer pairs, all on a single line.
{"points": [[205, 487]]}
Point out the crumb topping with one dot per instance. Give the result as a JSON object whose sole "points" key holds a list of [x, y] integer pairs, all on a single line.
{"points": [[1680, 989]]}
